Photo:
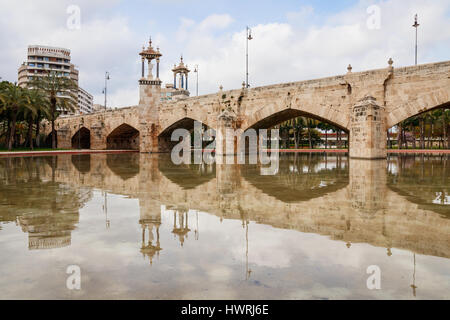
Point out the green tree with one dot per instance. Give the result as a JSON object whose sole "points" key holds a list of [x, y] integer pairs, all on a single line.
{"points": [[16, 101], [40, 106], [446, 125], [311, 124], [60, 93], [325, 127], [298, 125]]}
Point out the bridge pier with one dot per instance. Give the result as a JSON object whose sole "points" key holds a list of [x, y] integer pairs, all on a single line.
{"points": [[368, 130], [63, 138], [149, 104], [367, 185], [228, 184], [98, 137], [226, 141]]}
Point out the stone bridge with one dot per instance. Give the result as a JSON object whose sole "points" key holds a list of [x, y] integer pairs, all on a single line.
{"points": [[365, 104]]}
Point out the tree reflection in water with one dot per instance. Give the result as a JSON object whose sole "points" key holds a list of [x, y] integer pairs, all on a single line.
{"points": [[423, 179], [352, 204], [47, 210], [319, 193]]}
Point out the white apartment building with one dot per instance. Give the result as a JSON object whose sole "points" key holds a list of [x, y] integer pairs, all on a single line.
{"points": [[85, 101], [44, 59]]}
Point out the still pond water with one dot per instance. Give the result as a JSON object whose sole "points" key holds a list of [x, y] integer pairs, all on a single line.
{"points": [[139, 226]]}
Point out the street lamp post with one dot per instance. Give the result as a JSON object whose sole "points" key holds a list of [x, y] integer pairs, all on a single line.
{"points": [[106, 85], [416, 25], [196, 71], [248, 37]]}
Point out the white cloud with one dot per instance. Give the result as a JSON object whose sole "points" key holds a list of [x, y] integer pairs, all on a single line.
{"points": [[215, 21], [293, 51], [121, 97], [301, 16], [306, 45]]}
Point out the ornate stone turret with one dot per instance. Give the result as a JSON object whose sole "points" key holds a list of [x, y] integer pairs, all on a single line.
{"points": [[150, 223], [150, 85], [181, 227], [150, 54], [149, 100], [183, 71]]}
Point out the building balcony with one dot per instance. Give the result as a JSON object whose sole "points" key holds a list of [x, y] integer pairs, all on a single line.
{"points": [[62, 63]]}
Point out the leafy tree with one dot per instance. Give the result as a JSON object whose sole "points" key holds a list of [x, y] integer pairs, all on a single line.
{"points": [[37, 99], [325, 127], [17, 101], [60, 93]]}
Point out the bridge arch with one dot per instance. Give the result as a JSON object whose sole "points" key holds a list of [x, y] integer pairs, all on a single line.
{"points": [[266, 120], [164, 139], [423, 103], [82, 139], [49, 137], [279, 117], [316, 106], [123, 137]]}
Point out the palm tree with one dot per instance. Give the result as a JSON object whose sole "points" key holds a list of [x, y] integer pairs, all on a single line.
{"points": [[400, 137], [422, 131], [60, 93], [411, 125], [325, 127], [299, 124], [311, 123], [3, 109], [40, 106], [446, 123], [16, 100], [433, 117], [445, 117]]}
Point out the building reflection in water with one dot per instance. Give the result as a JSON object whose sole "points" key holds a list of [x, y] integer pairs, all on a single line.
{"points": [[387, 203], [46, 209]]}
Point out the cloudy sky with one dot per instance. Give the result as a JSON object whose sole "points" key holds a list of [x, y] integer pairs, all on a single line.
{"points": [[293, 39]]}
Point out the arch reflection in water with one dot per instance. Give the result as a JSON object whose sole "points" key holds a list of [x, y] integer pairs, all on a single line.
{"points": [[361, 204]]}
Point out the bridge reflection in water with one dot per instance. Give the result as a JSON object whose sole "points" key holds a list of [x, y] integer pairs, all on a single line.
{"points": [[401, 203]]}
